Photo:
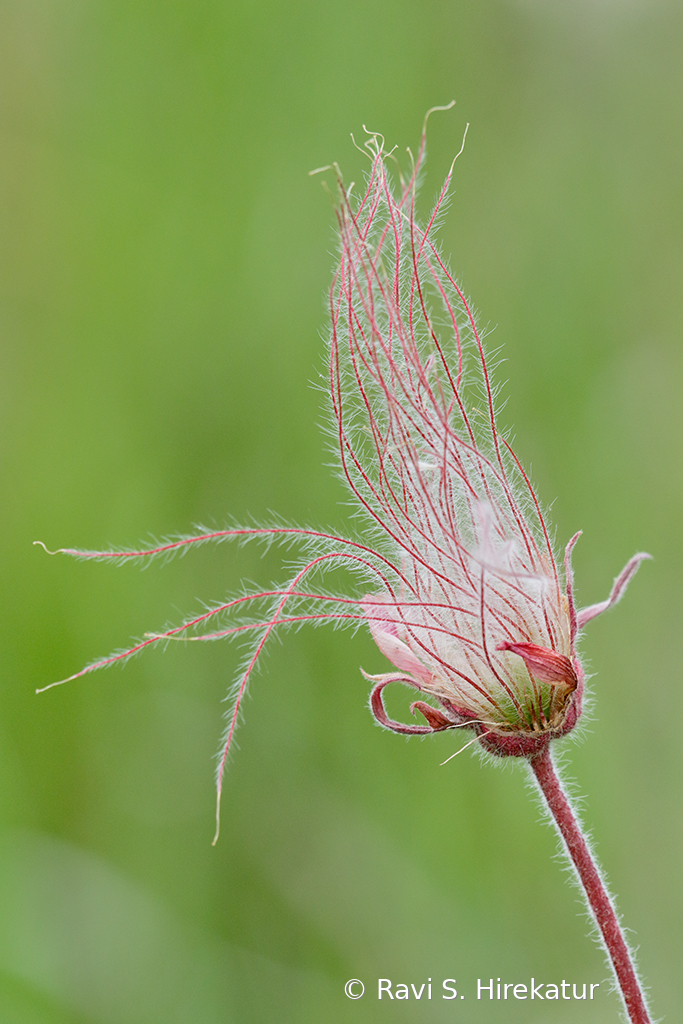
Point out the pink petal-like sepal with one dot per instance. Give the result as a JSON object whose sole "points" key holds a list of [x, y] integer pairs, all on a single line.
{"points": [[618, 590], [398, 652], [379, 711], [544, 664], [569, 585], [436, 720]]}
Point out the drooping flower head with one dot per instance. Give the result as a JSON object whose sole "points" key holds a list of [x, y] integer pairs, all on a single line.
{"points": [[458, 581], [474, 612]]}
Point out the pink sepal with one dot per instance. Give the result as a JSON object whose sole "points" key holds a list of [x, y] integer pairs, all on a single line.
{"points": [[380, 714], [543, 663], [569, 579], [436, 720], [618, 590], [398, 652], [434, 717]]}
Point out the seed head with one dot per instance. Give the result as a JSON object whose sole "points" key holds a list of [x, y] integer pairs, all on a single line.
{"points": [[474, 612], [464, 594]]}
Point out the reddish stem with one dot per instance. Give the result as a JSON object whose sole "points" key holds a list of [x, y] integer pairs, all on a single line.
{"points": [[593, 886]]}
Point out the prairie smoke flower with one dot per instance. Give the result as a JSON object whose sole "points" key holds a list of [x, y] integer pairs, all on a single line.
{"points": [[471, 608], [463, 592]]}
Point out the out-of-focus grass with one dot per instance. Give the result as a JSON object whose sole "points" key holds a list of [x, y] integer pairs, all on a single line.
{"points": [[163, 263]]}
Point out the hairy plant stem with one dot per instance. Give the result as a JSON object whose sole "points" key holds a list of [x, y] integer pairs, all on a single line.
{"points": [[593, 886]]}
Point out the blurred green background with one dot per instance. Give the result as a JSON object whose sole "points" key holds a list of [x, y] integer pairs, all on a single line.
{"points": [[164, 262]]}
